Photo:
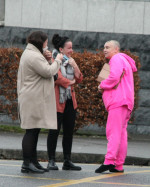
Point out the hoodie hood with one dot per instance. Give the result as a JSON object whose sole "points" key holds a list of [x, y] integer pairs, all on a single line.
{"points": [[130, 60]]}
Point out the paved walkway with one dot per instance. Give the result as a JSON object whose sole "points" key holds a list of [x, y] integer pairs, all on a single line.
{"points": [[85, 149], [134, 176]]}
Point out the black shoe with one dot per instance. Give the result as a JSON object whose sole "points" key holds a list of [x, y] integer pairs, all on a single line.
{"points": [[103, 168], [52, 165], [38, 165], [116, 170], [26, 168], [68, 165]]}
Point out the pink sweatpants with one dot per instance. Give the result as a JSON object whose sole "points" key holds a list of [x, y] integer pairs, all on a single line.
{"points": [[116, 132]]}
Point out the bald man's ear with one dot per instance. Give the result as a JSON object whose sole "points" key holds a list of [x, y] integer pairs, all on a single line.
{"points": [[117, 49]]}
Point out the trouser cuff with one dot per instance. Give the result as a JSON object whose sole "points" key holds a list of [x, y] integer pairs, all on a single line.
{"points": [[108, 161]]}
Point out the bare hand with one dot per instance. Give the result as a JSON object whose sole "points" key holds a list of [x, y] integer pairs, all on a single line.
{"points": [[100, 89], [72, 82], [59, 56], [72, 62], [48, 55]]}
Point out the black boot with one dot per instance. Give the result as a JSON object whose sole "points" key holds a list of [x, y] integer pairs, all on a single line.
{"points": [[52, 165], [68, 165], [30, 167], [38, 165], [116, 170], [104, 168]]}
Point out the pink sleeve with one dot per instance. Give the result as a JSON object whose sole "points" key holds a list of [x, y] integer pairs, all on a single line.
{"points": [[116, 69]]}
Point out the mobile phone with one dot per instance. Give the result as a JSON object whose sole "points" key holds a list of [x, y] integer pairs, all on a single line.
{"points": [[65, 57]]}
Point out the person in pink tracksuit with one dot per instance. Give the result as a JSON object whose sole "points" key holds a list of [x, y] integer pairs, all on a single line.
{"points": [[118, 97]]}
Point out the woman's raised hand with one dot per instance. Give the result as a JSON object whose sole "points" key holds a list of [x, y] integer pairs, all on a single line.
{"points": [[59, 56], [48, 55], [72, 62]]}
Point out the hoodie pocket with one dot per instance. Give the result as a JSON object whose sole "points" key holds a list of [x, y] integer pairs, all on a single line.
{"points": [[107, 97]]}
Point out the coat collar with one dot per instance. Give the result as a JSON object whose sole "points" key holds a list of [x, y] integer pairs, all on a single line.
{"points": [[32, 47]]}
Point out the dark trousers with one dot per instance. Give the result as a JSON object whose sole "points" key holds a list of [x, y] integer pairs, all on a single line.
{"points": [[67, 120], [29, 145]]}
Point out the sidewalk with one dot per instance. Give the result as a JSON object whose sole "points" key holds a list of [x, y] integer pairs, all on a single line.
{"points": [[84, 150]]}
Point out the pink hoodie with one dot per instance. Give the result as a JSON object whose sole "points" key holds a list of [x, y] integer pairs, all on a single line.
{"points": [[124, 93]]}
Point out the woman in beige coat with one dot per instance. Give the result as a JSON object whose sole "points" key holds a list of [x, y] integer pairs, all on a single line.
{"points": [[36, 96]]}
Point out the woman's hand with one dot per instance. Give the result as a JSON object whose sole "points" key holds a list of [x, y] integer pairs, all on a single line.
{"points": [[48, 55], [72, 62], [72, 82], [77, 72], [59, 56]]}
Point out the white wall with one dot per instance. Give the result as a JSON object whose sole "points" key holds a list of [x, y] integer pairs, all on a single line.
{"points": [[81, 15], [2, 10]]}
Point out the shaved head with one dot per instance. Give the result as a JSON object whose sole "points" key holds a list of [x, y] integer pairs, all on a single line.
{"points": [[111, 48], [115, 43]]}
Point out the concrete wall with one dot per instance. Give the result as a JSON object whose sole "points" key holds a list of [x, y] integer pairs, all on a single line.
{"points": [[2, 11], [81, 15]]}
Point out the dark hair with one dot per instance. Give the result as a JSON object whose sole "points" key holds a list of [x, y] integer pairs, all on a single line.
{"points": [[37, 38], [59, 41]]}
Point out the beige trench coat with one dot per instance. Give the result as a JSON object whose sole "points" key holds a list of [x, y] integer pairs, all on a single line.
{"points": [[35, 88]]}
